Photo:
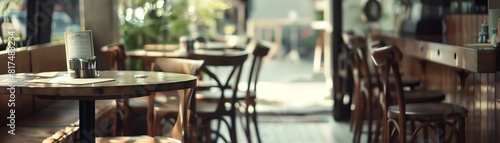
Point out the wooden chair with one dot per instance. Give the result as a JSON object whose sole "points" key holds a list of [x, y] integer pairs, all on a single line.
{"points": [[115, 54], [172, 65], [246, 99], [365, 93], [217, 100], [249, 97], [396, 111]]}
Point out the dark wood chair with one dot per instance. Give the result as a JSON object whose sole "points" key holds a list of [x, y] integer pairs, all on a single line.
{"points": [[365, 93], [172, 65], [115, 55], [354, 41], [217, 99], [396, 111], [245, 99], [259, 52]]}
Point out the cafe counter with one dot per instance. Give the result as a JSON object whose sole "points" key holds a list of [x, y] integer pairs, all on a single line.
{"points": [[443, 49], [466, 72]]}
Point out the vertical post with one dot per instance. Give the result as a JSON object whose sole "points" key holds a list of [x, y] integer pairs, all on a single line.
{"points": [[39, 21], [87, 121], [242, 6], [101, 17], [333, 15]]}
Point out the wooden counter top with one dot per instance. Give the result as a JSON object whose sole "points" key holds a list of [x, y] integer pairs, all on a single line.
{"points": [[436, 48]]}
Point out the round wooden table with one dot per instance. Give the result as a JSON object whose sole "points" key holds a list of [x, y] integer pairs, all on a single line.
{"points": [[218, 50], [125, 85]]}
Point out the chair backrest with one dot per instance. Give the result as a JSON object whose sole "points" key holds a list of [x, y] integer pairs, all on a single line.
{"points": [[259, 52], [115, 54], [358, 49], [234, 58], [360, 66], [388, 58], [175, 65]]}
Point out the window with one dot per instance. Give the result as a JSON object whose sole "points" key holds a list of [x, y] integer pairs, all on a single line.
{"points": [[65, 17], [13, 19]]}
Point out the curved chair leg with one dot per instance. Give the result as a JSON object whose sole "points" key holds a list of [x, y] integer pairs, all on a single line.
{"points": [[379, 122], [247, 125], [221, 137], [462, 130], [440, 130], [355, 114], [255, 123], [370, 117], [232, 129], [358, 124], [217, 130], [245, 122]]}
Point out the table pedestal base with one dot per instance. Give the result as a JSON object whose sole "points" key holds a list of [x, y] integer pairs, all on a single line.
{"points": [[87, 121]]}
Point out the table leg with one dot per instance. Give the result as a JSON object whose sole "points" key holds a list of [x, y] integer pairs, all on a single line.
{"points": [[87, 121]]}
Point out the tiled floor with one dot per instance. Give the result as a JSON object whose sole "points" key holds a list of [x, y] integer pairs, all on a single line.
{"points": [[283, 80]]}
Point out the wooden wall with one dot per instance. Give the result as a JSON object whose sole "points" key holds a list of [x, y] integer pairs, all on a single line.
{"points": [[478, 91], [478, 95]]}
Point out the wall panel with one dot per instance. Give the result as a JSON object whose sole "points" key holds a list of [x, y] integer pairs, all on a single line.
{"points": [[479, 96]]}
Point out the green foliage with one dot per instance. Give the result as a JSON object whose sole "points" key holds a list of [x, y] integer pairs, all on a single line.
{"points": [[165, 24], [7, 4], [208, 11], [161, 24]]}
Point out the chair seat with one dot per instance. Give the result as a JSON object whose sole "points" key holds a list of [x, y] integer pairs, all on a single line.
{"points": [[429, 111], [206, 85], [203, 110], [407, 81], [136, 139], [171, 107], [422, 95], [209, 95]]}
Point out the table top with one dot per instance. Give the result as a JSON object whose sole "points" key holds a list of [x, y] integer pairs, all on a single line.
{"points": [[140, 53], [125, 85], [221, 52]]}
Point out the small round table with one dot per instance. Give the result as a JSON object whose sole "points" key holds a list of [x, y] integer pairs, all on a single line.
{"points": [[125, 85]]}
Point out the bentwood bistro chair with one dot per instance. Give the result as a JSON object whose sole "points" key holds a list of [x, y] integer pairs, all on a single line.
{"points": [[397, 112], [171, 65], [367, 89]]}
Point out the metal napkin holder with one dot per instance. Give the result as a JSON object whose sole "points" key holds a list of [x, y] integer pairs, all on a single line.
{"points": [[83, 68]]}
